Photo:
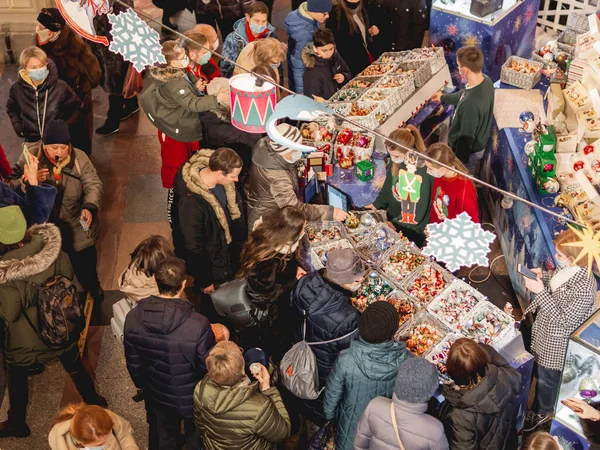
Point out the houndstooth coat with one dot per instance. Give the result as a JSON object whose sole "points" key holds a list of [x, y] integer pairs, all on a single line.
{"points": [[559, 314]]}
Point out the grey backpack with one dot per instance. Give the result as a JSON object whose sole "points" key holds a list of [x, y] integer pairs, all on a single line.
{"points": [[298, 367]]}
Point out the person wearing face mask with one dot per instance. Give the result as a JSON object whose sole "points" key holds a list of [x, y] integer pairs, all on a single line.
{"points": [[253, 26], [452, 194], [564, 299], [326, 71], [76, 65], [472, 121], [89, 427], [78, 201], [411, 225], [363, 371], [39, 97], [202, 64], [273, 180], [266, 51], [353, 32], [270, 268]]}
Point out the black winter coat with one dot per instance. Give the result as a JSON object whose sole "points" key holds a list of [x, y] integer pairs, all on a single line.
{"points": [[319, 73], [166, 344], [228, 9], [402, 24], [26, 104], [350, 45], [484, 418], [203, 236], [329, 315]]}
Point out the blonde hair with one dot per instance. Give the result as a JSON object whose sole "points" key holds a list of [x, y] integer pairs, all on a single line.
{"points": [[172, 51], [540, 441], [32, 52], [444, 154], [408, 137], [196, 41], [568, 236], [208, 31], [225, 363], [266, 50]]}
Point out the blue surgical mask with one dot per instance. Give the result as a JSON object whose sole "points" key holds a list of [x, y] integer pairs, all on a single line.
{"points": [[562, 264], [205, 58], [275, 66], [99, 447], [38, 74], [257, 29]]}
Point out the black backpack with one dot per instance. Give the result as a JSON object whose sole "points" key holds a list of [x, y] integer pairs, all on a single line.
{"points": [[60, 315]]}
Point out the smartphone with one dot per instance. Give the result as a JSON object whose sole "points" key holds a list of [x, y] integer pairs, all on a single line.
{"points": [[26, 155], [527, 272]]}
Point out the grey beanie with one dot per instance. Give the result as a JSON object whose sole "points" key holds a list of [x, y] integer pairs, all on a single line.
{"points": [[344, 266], [417, 381], [288, 132]]}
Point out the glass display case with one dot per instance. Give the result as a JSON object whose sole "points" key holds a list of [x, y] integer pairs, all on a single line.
{"points": [[463, 8], [581, 373]]}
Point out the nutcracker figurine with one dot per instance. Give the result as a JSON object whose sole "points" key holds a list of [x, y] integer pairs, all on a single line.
{"points": [[408, 189]]}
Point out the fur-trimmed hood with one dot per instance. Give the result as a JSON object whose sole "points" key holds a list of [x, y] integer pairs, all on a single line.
{"points": [[310, 58], [166, 73], [27, 262], [191, 177]]}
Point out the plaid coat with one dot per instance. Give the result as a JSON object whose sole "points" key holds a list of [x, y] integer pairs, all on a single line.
{"points": [[559, 314]]}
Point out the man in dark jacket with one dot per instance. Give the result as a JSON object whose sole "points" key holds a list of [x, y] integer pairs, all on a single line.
{"points": [[166, 344], [227, 13], [208, 229], [76, 65], [326, 71]]}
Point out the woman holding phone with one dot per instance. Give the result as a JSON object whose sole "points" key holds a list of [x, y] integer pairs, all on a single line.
{"points": [[564, 299]]}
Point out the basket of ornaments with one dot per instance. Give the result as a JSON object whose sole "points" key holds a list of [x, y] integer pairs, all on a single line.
{"points": [[376, 245], [377, 70], [319, 252], [365, 114], [404, 86], [360, 224], [320, 232], [352, 146], [488, 324], [422, 333], [401, 261], [388, 99], [438, 356], [347, 95], [390, 58], [521, 72], [362, 83], [375, 287], [427, 282], [404, 306], [455, 303], [434, 56], [321, 136], [419, 71]]}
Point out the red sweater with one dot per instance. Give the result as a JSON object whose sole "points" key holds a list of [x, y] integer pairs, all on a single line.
{"points": [[206, 72], [5, 169], [452, 196]]}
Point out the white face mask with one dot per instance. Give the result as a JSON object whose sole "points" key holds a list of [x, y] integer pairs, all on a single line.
{"points": [[216, 45], [397, 160], [435, 174], [181, 63]]}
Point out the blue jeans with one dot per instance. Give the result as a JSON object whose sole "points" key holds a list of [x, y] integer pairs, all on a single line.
{"points": [[546, 390]]}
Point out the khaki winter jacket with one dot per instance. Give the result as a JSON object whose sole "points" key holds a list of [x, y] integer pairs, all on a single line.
{"points": [[136, 285], [239, 417], [273, 183], [120, 439]]}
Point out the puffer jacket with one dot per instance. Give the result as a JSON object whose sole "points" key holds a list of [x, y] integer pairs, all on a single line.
{"points": [[273, 183], [136, 284], [318, 77], [35, 203], [76, 63], [51, 100], [418, 430], [121, 437], [362, 372], [235, 43], [166, 344], [79, 188], [329, 315], [172, 103], [34, 263], [210, 245], [300, 28], [239, 417], [484, 417], [228, 9]]}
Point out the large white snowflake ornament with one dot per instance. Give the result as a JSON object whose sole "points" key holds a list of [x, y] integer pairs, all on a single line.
{"points": [[135, 40], [458, 242]]}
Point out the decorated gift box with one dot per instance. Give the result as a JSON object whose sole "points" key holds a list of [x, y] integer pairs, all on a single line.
{"points": [[375, 287], [454, 304]]}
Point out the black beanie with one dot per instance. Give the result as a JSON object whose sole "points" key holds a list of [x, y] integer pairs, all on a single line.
{"points": [[51, 18], [378, 323], [56, 132]]}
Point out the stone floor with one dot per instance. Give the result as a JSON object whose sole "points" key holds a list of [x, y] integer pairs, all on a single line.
{"points": [[134, 207]]}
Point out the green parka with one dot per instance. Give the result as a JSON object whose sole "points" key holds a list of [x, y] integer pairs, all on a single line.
{"points": [[239, 417], [20, 270]]}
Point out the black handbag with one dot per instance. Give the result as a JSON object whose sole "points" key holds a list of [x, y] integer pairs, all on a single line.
{"points": [[232, 301]]}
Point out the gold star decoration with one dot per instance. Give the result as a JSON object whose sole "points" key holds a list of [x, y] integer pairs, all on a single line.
{"points": [[517, 24], [470, 39], [589, 243], [495, 140]]}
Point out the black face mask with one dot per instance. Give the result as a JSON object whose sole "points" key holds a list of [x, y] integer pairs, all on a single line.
{"points": [[350, 5]]}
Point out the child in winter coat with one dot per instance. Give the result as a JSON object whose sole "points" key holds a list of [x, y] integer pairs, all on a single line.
{"points": [[452, 194], [252, 27], [326, 71], [202, 65]]}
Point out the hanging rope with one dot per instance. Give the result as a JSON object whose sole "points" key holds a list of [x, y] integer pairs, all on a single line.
{"points": [[358, 125]]}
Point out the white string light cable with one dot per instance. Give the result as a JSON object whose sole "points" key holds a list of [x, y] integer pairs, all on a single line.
{"points": [[341, 118]]}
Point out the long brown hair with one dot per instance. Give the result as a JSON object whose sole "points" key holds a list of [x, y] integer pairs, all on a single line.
{"points": [[88, 422], [341, 8], [540, 441], [408, 137], [467, 362], [279, 228], [444, 154], [149, 253]]}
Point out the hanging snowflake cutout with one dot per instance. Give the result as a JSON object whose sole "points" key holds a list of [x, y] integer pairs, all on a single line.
{"points": [[135, 40], [458, 242]]}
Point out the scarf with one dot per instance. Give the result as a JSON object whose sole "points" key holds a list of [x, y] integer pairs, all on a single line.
{"points": [[59, 166], [250, 36]]}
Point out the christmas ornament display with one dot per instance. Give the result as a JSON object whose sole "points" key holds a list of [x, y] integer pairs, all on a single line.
{"points": [[319, 252], [324, 231], [454, 304], [361, 83], [400, 263], [422, 335], [487, 324], [346, 95], [404, 307], [374, 288], [427, 284], [379, 241], [438, 356], [377, 70]]}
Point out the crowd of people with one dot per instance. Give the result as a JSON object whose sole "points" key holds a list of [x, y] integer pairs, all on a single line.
{"points": [[267, 351]]}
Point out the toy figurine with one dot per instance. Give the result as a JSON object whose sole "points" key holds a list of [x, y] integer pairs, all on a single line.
{"points": [[408, 189]]}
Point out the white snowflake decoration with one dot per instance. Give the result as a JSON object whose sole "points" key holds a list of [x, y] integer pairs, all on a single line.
{"points": [[459, 242], [135, 40]]}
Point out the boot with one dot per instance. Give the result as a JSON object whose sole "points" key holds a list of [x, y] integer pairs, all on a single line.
{"points": [[131, 107], [113, 117], [411, 219], [404, 217], [166, 21], [9, 429]]}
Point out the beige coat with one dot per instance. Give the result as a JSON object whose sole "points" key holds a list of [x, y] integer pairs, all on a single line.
{"points": [[136, 285], [121, 439]]}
